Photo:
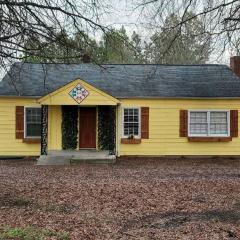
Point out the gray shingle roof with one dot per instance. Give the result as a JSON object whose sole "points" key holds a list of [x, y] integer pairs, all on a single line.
{"points": [[163, 81]]}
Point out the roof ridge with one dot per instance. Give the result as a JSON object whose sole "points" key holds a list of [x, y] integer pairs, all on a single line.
{"points": [[125, 64]]}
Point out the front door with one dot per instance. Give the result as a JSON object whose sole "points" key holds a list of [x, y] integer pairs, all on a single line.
{"points": [[87, 128]]}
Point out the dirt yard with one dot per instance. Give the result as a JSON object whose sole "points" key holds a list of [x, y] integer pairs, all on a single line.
{"points": [[133, 199]]}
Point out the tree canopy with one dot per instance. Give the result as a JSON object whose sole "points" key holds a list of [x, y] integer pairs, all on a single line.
{"points": [[115, 46], [185, 44], [47, 30]]}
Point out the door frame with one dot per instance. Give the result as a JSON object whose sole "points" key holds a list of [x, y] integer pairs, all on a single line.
{"points": [[79, 127]]}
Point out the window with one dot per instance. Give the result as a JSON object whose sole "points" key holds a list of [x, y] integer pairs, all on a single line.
{"points": [[208, 123], [198, 123], [131, 125], [32, 122]]}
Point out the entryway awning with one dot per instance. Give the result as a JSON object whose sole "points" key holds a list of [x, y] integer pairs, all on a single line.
{"points": [[78, 92]]}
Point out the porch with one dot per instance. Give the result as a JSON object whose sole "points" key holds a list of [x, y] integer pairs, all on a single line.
{"points": [[78, 131]]}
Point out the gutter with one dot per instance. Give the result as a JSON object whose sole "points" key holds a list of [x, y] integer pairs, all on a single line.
{"points": [[174, 98], [138, 97], [17, 96]]}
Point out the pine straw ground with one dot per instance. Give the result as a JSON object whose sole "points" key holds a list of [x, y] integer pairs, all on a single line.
{"points": [[133, 199]]}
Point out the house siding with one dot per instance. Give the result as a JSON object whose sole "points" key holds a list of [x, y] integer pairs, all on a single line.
{"points": [[9, 145], [54, 127], [164, 129]]}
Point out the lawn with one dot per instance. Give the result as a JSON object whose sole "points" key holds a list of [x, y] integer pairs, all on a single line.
{"points": [[133, 199]]}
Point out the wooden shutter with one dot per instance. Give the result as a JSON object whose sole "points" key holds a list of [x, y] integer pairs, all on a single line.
{"points": [[145, 122], [19, 122], [234, 123], [183, 123]]}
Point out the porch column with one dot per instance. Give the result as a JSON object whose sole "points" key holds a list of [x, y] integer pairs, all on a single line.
{"points": [[44, 130]]}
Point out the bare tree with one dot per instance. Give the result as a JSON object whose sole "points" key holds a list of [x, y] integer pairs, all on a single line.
{"points": [[221, 19], [24, 20]]}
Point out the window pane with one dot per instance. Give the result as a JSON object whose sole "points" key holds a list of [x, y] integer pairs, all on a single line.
{"points": [[126, 131], [218, 117], [130, 118], [198, 123], [130, 128], [33, 130], [135, 126], [218, 123], [33, 122], [136, 111], [199, 128], [131, 122], [135, 118], [33, 115], [198, 117], [218, 128], [125, 118]]}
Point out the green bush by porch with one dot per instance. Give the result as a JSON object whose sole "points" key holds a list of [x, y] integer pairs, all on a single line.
{"points": [[106, 128], [69, 127]]}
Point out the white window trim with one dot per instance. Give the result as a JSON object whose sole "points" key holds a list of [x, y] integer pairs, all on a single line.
{"points": [[208, 121], [139, 121], [25, 123]]}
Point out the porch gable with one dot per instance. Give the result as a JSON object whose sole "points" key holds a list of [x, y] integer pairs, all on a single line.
{"points": [[62, 96]]}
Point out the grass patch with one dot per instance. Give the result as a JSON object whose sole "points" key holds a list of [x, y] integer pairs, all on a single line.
{"points": [[31, 233]]}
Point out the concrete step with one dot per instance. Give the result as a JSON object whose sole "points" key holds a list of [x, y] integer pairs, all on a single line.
{"points": [[109, 160], [98, 162], [52, 160]]}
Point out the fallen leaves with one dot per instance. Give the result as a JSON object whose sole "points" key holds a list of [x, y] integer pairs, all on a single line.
{"points": [[134, 199]]}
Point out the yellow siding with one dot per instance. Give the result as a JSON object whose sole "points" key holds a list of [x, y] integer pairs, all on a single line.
{"points": [[164, 129], [9, 145], [54, 128], [62, 97]]}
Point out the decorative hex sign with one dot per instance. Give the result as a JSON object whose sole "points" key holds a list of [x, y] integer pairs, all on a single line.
{"points": [[79, 93]]}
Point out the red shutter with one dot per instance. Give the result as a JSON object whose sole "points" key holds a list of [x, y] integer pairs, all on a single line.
{"points": [[234, 123], [145, 122], [19, 122], [183, 124]]}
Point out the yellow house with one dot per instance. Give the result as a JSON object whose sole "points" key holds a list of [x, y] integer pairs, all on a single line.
{"points": [[129, 110]]}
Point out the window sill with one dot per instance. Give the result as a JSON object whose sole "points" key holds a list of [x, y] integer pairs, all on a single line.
{"points": [[209, 139], [131, 141], [31, 140]]}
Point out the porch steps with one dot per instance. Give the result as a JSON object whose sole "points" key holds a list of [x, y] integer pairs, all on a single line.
{"points": [[76, 157], [75, 161], [101, 157], [53, 160]]}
